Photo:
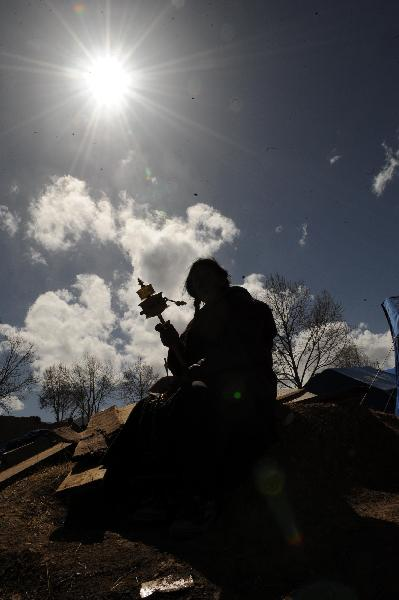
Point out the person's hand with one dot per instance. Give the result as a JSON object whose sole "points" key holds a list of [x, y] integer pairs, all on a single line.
{"points": [[169, 335], [197, 371]]}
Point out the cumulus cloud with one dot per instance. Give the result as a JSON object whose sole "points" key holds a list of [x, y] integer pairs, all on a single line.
{"points": [[65, 324], [387, 172], [255, 284], [36, 258], [334, 159], [304, 229], [376, 345], [279, 229], [13, 404], [9, 221], [161, 249], [65, 210]]}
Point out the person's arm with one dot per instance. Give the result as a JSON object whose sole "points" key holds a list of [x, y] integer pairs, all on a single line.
{"points": [[176, 354], [175, 365]]}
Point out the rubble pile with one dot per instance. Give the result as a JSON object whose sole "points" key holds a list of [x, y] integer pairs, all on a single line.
{"points": [[318, 515], [91, 447]]}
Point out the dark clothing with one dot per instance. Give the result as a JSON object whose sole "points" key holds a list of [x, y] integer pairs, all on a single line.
{"points": [[212, 429], [236, 331], [234, 335]]}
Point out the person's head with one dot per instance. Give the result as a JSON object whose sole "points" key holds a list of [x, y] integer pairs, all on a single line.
{"points": [[206, 279]]}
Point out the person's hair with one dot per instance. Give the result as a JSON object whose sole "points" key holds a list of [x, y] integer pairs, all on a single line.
{"points": [[209, 263]]}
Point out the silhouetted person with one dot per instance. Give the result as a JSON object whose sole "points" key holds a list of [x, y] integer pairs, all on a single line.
{"points": [[227, 346], [219, 414]]}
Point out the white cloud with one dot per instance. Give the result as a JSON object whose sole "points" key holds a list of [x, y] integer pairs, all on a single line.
{"points": [[161, 249], [375, 345], [279, 229], [9, 221], [387, 172], [304, 228], [13, 404], [334, 158], [36, 258], [65, 211], [255, 284], [64, 325]]}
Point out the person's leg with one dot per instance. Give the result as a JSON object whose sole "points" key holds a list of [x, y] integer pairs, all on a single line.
{"points": [[195, 434]]}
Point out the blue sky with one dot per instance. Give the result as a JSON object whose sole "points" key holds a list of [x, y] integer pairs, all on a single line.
{"points": [[275, 124]]}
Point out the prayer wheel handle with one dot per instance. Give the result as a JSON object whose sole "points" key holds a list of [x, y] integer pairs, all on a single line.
{"points": [[153, 305]]}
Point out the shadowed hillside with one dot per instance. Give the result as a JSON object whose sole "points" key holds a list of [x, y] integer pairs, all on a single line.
{"points": [[317, 519]]}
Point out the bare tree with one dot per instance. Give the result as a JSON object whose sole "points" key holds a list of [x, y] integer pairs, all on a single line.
{"points": [[92, 383], [352, 356], [312, 333], [137, 380], [16, 375], [57, 392]]}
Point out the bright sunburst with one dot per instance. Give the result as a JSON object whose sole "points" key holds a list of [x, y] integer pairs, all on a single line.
{"points": [[104, 86], [108, 82]]}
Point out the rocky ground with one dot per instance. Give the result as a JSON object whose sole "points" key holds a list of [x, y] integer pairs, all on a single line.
{"points": [[317, 520]]}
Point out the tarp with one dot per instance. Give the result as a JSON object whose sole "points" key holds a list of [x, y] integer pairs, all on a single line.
{"points": [[381, 380], [391, 309], [379, 386]]}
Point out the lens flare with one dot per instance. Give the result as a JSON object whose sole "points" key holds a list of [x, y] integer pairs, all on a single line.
{"points": [[79, 8], [270, 479], [149, 176], [295, 538]]}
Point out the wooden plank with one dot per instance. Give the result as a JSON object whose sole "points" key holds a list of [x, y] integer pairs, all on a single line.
{"points": [[102, 426], [124, 411], [23, 467], [93, 445], [17, 455], [82, 480], [110, 420], [289, 394], [304, 396], [67, 434]]}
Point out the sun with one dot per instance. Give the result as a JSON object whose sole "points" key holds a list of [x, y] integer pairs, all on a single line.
{"points": [[109, 82]]}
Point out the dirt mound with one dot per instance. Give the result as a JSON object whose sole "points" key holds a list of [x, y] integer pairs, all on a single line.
{"points": [[344, 440], [316, 518]]}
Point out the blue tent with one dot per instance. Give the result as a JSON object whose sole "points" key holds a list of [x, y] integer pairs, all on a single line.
{"points": [[379, 387], [391, 309]]}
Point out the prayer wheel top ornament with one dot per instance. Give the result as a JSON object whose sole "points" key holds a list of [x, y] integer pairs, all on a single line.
{"points": [[153, 304]]}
